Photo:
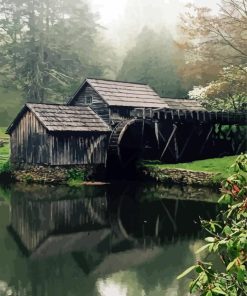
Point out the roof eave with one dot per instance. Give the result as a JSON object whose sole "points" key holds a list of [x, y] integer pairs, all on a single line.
{"points": [[16, 120], [76, 92], [86, 81]]}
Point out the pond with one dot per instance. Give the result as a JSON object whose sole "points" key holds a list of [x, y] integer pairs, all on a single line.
{"points": [[123, 239]]}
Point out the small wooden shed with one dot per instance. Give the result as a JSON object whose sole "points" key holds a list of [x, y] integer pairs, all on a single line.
{"points": [[46, 134]]}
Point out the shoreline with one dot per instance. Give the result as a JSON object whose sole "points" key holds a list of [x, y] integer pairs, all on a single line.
{"points": [[181, 176]]}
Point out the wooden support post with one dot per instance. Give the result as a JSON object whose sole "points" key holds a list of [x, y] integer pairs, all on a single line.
{"points": [[206, 140], [240, 145], [169, 140], [142, 137], [156, 130], [187, 142], [176, 147], [164, 140]]}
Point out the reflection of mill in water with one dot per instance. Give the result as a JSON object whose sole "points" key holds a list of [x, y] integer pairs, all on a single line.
{"points": [[91, 224]]}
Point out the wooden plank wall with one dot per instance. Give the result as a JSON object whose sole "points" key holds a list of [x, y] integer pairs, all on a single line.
{"points": [[75, 149], [98, 105], [30, 141], [32, 144]]}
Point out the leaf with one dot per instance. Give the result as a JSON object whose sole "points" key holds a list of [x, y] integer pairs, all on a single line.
{"points": [[241, 275], [203, 278], [227, 230], [209, 293], [219, 291], [203, 248], [230, 265], [210, 239], [193, 285], [188, 270]]}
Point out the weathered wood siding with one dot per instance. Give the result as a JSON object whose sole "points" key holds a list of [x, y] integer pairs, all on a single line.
{"points": [[32, 144], [30, 141], [78, 149], [98, 104]]}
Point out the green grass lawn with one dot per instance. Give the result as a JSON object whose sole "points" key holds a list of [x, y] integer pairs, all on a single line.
{"points": [[5, 150], [2, 133], [214, 165]]}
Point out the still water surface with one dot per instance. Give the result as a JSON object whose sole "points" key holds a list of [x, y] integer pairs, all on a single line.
{"points": [[124, 239]]}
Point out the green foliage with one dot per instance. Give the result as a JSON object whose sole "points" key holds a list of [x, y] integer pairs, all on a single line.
{"points": [[155, 60], [5, 168], [47, 47], [228, 239], [76, 176]]}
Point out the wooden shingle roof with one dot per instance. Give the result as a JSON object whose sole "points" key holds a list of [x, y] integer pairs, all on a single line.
{"points": [[126, 94], [61, 118], [183, 104]]}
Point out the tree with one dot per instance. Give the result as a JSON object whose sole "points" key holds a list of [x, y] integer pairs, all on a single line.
{"points": [[228, 92], [154, 60], [213, 41], [49, 46], [228, 239]]}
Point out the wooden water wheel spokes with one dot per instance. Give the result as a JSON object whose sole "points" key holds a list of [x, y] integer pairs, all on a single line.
{"points": [[129, 139]]}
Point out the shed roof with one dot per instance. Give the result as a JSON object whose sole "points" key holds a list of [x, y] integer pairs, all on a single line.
{"points": [[126, 94], [183, 104], [61, 118]]}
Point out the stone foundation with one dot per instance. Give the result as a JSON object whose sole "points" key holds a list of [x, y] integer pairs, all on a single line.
{"points": [[57, 174], [181, 176]]}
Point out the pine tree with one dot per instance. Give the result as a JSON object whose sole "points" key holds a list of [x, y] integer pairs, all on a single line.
{"points": [[155, 60]]}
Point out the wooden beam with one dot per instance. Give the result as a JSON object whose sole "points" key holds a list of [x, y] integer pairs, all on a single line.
{"points": [[156, 130], [176, 147], [206, 140], [187, 142], [169, 140], [164, 140], [240, 145]]}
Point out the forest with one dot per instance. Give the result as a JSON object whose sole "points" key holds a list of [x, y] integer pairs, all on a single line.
{"points": [[48, 47]]}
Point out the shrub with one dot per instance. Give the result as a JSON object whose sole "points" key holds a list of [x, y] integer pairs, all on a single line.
{"points": [[6, 172], [5, 168], [76, 174], [228, 239]]}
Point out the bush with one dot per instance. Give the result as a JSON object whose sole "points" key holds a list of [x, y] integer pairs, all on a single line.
{"points": [[228, 239], [6, 172], [5, 168], [76, 175]]}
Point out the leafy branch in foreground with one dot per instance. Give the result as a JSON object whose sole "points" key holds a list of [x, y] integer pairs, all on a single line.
{"points": [[228, 239]]}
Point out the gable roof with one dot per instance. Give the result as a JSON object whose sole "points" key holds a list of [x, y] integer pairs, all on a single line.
{"points": [[126, 94], [63, 118], [183, 104]]}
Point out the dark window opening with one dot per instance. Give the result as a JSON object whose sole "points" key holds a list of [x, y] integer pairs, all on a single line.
{"points": [[88, 100]]}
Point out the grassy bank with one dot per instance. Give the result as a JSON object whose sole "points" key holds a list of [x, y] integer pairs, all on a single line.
{"points": [[5, 150], [220, 166]]}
